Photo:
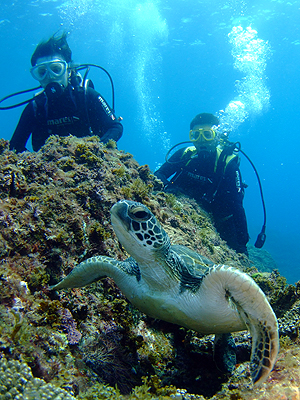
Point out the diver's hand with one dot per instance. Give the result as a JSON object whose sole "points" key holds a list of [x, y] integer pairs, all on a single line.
{"points": [[172, 189]]}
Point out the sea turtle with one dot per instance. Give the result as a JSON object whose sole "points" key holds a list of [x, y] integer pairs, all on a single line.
{"points": [[176, 284]]}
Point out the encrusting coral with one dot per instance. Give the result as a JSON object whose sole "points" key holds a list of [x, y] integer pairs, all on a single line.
{"points": [[90, 342], [17, 382]]}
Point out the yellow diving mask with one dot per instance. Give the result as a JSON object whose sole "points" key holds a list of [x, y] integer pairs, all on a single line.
{"points": [[206, 133]]}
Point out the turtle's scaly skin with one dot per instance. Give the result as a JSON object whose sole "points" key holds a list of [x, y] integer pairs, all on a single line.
{"points": [[176, 284]]}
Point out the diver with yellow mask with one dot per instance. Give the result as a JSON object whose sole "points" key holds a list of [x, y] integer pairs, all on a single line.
{"points": [[204, 172]]}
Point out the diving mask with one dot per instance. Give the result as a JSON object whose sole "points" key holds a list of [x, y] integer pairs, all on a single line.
{"points": [[55, 69], [206, 134]]}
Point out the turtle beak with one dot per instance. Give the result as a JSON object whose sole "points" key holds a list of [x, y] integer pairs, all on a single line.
{"points": [[119, 214]]}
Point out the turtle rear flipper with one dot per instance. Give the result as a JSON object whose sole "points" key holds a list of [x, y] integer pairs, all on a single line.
{"points": [[243, 294], [264, 351]]}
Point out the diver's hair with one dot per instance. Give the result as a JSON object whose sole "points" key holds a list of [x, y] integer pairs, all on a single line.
{"points": [[55, 45], [204, 119]]}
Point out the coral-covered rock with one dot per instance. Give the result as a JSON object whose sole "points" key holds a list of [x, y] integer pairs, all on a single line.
{"points": [[17, 382], [55, 212]]}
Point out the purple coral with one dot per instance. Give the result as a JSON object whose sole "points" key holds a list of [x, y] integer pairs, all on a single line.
{"points": [[69, 326]]}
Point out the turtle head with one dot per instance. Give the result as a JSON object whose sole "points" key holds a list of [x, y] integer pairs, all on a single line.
{"points": [[137, 229]]}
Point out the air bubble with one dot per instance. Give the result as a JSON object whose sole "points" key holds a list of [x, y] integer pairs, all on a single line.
{"points": [[253, 97]]}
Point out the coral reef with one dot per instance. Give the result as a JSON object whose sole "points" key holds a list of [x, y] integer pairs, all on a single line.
{"points": [[90, 343], [17, 382], [261, 259]]}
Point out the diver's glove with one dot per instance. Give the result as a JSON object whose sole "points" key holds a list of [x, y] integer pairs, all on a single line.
{"points": [[106, 137], [172, 189]]}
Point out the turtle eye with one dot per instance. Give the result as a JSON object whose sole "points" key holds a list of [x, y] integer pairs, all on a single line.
{"points": [[140, 214]]}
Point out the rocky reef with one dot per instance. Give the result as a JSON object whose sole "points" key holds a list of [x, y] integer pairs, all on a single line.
{"points": [[91, 343]]}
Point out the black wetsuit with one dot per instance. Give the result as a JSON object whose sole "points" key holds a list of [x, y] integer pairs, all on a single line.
{"points": [[220, 192], [70, 112]]}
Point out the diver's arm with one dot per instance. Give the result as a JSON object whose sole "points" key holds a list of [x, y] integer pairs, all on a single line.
{"points": [[23, 130], [114, 133], [160, 175], [102, 119], [170, 168]]}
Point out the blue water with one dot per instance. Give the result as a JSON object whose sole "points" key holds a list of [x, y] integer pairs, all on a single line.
{"points": [[171, 60]]}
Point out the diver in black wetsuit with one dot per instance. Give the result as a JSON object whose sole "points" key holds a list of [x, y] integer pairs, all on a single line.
{"points": [[212, 177], [64, 107]]}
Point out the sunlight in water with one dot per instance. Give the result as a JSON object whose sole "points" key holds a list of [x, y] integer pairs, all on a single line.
{"points": [[250, 57], [135, 31], [149, 30]]}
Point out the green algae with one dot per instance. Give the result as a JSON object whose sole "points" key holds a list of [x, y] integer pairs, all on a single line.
{"points": [[137, 190]]}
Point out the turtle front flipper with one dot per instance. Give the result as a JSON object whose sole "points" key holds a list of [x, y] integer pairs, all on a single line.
{"points": [[95, 268], [244, 295]]}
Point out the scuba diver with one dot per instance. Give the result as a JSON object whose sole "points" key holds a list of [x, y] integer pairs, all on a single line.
{"points": [[67, 105], [211, 175]]}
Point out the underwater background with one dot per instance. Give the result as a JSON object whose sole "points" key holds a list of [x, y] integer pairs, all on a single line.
{"points": [[171, 60]]}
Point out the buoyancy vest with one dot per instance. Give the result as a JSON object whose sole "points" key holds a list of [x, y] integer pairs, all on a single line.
{"points": [[224, 156], [221, 162], [76, 95]]}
